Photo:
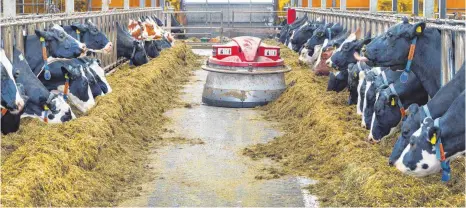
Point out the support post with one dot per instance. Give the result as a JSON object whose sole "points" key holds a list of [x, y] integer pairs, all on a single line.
{"points": [[69, 6], [152, 3], [373, 6], [309, 3], [442, 7], [9, 8], [343, 5], [415, 7], [334, 3], [428, 8], [323, 4], [395, 6], [142, 3], [169, 19], [104, 5], [125, 4]]}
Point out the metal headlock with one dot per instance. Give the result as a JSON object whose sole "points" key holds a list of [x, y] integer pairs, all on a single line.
{"points": [[452, 31], [13, 29]]}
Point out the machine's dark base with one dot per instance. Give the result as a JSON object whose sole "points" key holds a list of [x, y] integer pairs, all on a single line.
{"points": [[229, 104]]}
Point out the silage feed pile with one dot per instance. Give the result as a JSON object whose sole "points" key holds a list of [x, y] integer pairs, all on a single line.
{"points": [[324, 141], [86, 162]]}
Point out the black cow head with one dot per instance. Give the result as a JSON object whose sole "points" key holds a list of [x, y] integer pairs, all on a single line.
{"points": [[320, 34], [409, 125], [60, 44], [10, 95], [91, 36], [130, 48], [301, 35], [98, 73], [387, 114], [418, 158], [151, 49], [337, 81], [347, 52], [38, 95], [391, 48]]}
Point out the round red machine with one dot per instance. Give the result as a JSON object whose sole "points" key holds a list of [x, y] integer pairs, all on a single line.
{"points": [[244, 73]]}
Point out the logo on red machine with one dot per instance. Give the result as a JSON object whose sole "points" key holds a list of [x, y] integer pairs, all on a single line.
{"points": [[270, 52], [224, 51]]}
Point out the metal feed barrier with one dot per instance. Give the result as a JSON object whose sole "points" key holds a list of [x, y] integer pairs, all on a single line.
{"points": [[452, 31], [13, 29]]}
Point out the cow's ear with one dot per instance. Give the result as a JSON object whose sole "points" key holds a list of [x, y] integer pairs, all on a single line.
{"points": [[44, 34], [418, 29], [79, 26]]}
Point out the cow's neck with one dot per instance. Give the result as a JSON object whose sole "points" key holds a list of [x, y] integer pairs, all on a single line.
{"points": [[33, 52], [437, 105], [453, 135], [426, 62], [411, 92]]}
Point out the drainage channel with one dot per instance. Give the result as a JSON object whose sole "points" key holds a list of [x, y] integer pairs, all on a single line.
{"points": [[214, 172]]}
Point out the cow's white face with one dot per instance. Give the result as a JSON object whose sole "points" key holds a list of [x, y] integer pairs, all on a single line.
{"points": [[18, 100], [63, 112], [350, 38], [362, 75], [101, 73], [81, 105], [428, 164]]}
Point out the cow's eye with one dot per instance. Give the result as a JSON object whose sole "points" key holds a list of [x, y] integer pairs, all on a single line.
{"points": [[389, 34]]}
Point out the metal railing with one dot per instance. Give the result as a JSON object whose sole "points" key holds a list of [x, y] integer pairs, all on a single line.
{"points": [[452, 31], [13, 29]]}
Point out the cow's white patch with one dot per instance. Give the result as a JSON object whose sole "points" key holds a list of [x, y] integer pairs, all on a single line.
{"points": [[9, 70], [303, 57], [364, 104], [319, 55], [362, 75], [101, 73], [371, 136], [350, 38], [62, 108]]}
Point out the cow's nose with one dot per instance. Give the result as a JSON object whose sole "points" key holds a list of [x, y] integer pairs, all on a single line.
{"points": [[391, 163], [329, 63], [83, 48]]}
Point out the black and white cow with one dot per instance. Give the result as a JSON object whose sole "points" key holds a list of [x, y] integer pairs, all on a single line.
{"points": [[348, 52], [390, 105], [375, 79], [286, 32], [297, 24], [152, 48], [98, 72], [419, 157], [354, 82], [89, 34], [157, 20], [79, 91], [130, 48], [58, 44], [391, 49], [38, 95], [303, 33], [328, 31], [90, 76], [434, 108], [11, 98]]}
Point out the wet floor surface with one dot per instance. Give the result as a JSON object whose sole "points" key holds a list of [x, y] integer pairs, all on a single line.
{"points": [[216, 173]]}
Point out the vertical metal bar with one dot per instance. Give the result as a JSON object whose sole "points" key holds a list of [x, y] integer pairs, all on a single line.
{"points": [[125, 4], [9, 8], [395, 6], [69, 6], [221, 27], [446, 55], [459, 49], [442, 7], [323, 4], [373, 6], [309, 3], [343, 5], [105, 5], [415, 7], [19, 43], [428, 8]]}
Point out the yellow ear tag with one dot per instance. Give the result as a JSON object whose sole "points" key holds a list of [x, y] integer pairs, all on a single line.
{"points": [[419, 29], [393, 101], [433, 140], [354, 74], [77, 31], [46, 108], [42, 39]]}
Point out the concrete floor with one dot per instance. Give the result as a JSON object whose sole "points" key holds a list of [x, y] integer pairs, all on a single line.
{"points": [[216, 173]]}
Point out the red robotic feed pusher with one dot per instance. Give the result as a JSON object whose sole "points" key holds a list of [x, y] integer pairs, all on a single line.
{"points": [[246, 52], [244, 73]]}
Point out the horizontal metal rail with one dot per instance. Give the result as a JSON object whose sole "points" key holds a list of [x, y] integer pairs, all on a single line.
{"points": [[183, 12], [178, 34]]}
